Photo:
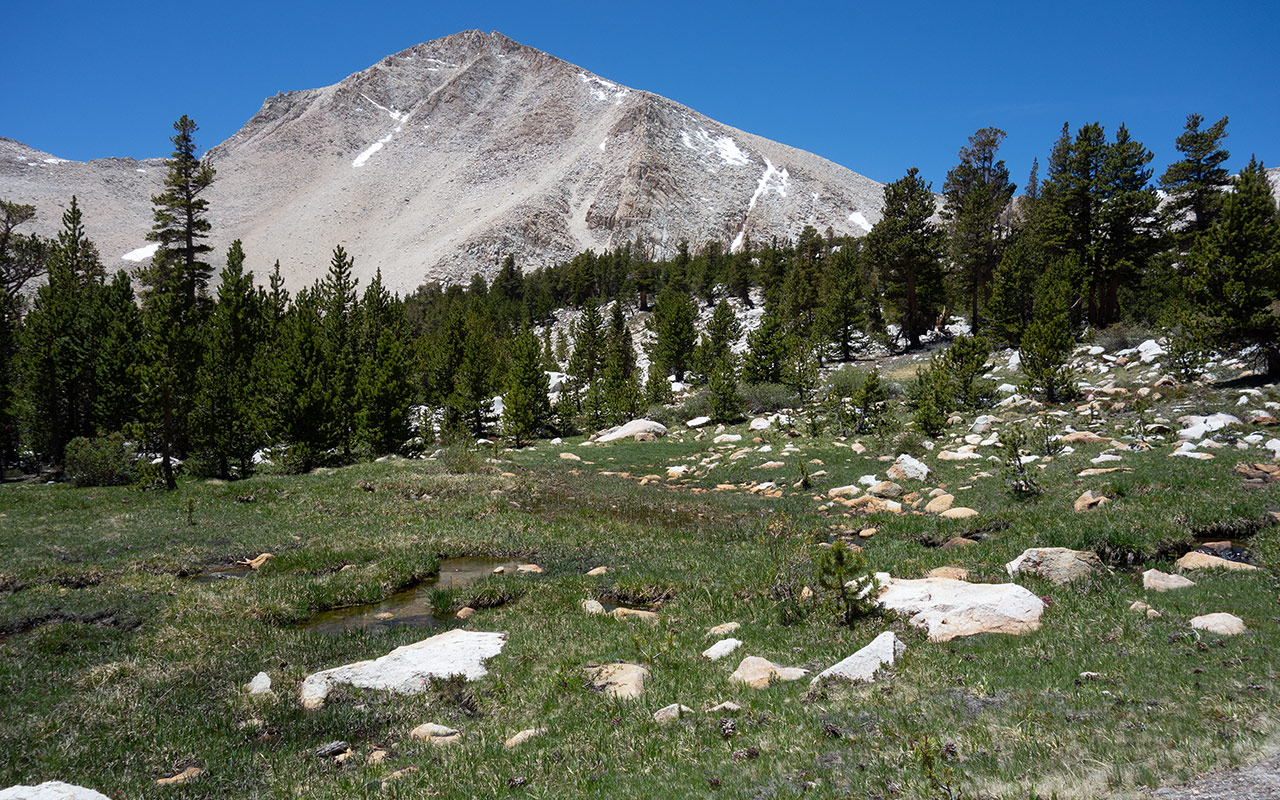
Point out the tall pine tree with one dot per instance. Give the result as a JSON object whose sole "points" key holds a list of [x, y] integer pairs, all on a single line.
{"points": [[977, 191], [906, 247]]}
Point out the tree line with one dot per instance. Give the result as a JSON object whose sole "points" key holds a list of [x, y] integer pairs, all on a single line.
{"points": [[213, 374]]}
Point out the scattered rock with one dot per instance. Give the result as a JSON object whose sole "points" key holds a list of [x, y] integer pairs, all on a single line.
{"points": [[844, 491], [634, 613], [406, 669], [727, 438], [597, 571], [1083, 437], [432, 733], [1090, 500], [531, 569], [1057, 564], [261, 684], [592, 606], [727, 707], [1198, 560], [332, 749], [698, 422], [721, 649], [629, 430], [1220, 623], [466, 613], [954, 573], [906, 468], [678, 471], [957, 541], [758, 672], [671, 713], [947, 609], [621, 679], [570, 456], [959, 512], [523, 736], [723, 629], [886, 489], [760, 424], [862, 666], [1156, 581], [773, 465], [940, 503]]}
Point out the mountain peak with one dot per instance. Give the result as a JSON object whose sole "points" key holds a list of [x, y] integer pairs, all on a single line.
{"points": [[439, 160]]}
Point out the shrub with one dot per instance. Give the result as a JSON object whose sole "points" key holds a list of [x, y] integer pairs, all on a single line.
{"points": [[726, 404], [100, 461], [300, 458], [762, 398], [1017, 476]]}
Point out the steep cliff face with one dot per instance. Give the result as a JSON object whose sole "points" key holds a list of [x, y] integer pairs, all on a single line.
{"points": [[438, 161]]}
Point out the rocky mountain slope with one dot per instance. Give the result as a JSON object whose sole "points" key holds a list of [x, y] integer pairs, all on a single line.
{"points": [[439, 160]]}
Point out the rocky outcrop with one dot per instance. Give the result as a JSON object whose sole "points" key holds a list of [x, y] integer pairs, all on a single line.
{"points": [[862, 666], [948, 609]]}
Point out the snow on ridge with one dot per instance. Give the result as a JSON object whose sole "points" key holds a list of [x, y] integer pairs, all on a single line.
{"points": [[762, 187], [373, 148], [141, 253], [603, 90], [857, 218], [723, 146], [395, 115]]}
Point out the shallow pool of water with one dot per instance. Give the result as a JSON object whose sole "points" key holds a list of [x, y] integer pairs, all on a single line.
{"points": [[410, 607]]}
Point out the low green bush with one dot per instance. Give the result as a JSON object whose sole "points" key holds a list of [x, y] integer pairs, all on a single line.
{"points": [[100, 461]]}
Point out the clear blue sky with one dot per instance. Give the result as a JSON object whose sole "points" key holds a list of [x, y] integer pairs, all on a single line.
{"points": [[877, 87]]}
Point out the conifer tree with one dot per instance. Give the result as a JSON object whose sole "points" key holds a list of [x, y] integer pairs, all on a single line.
{"points": [[803, 284], [181, 222], [383, 387], [339, 306], [843, 306], [906, 247], [119, 326], [300, 393], [60, 343], [620, 382], [1127, 228], [526, 409], [722, 390], [22, 259], [977, 191], [1196, 183], [673, 326], [1235, 266], [475, 381], [722, 333], [1047, 342], [586, 362], [741, 270], [766, 355], [229, 411], [173, 297]]}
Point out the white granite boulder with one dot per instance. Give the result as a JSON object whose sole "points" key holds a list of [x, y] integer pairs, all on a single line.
{"points": [[862, 666], [406, 669], [1057, 564], [948, 608], [51, 790], [633, 428]]}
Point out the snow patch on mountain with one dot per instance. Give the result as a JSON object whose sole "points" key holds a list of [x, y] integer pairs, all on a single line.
{"points": [[142, 253]]}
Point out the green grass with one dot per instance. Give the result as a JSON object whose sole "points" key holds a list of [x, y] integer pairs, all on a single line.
{"points": [[118, 669]]}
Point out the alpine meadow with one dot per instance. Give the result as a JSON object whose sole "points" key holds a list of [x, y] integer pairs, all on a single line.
{"points": [[478, 427]]}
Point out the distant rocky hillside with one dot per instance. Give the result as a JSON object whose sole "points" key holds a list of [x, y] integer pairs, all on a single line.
{"points": [[439, 160]]}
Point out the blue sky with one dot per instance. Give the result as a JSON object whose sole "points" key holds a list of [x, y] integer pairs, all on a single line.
{"points": [[875, 87]]}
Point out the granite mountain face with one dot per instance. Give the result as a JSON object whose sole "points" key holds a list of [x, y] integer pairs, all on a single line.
{"points": [[439, 160]]}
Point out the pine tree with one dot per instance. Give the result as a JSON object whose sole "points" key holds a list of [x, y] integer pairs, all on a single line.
{"points": [[229, 413], [722, 391], [803, 285], [1127, 227], [384, 393], [673, 326], [1047, 342], [526, 409], [722, 333], [587, 361], [738, 280], [906, 247], [620, 381], [766, 355], [173, 297], [475, 381], [977, 191], [843, 306], [1235, 266], [61, 343], [300, 391], [119, 325], [1196, 183], [181, 223], [506, 297], [339, 306]]}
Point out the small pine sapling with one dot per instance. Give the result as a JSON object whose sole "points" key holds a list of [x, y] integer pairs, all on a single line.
{"points": [[844, 573]]}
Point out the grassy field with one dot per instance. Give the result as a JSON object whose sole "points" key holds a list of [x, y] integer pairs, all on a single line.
{"points": [[119, 667]]}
